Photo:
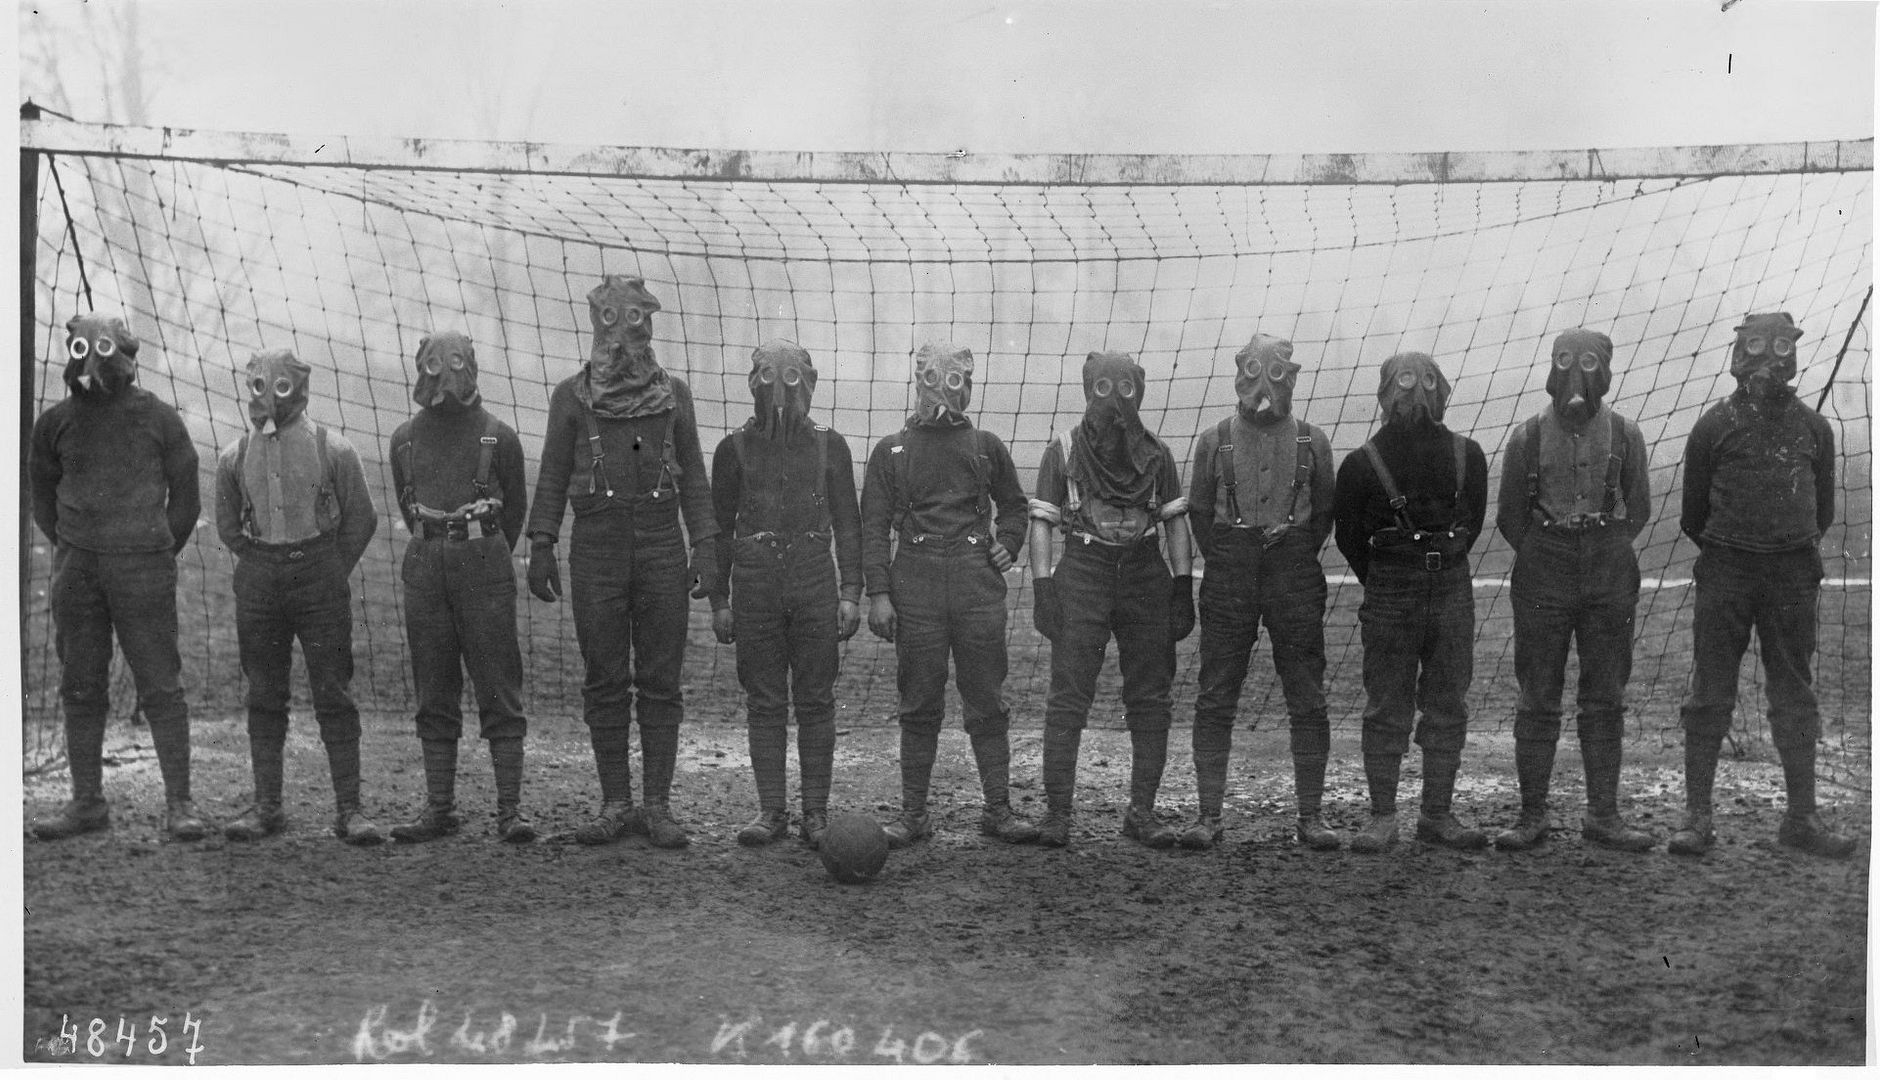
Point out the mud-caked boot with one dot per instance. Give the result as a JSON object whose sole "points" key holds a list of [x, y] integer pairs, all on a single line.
{"points": [[1314, 833], [768, 827], [1141, 825], [1528, 831], [993, 753], [1203, 834], [1380, 833], [1602, 824], [662, 828], [1054, 829], [82, 815], [1060, 784], [1534, 769], [434, 822], [181, 821], [258, 822], [612, 821], [1310, 754], [1436, 822], [913, 826], [812, 827], [1148, 753], [1695, 835], [1811, 835], [353, 826], [513, 825]]}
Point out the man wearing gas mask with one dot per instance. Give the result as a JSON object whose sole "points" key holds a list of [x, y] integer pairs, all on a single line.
{"points": [[622, 449], [784, 490], [113, 478], [1410, 504], [1758, 496], [291, 504], [457, 474], [1574, 496], [1107, 484], [949, 491], [1260, 507]]}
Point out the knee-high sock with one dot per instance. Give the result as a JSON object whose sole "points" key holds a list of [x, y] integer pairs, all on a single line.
{"points": [[613, 760], [506, 762], [770, 746], [993, 753], [84, 749], [1380, 773], [170, 736], [1212, 747], [1060, 767], [1148, 756], [816, 757], [1439, 780], [659, 756], [1798, 770], [342, 758], [1534, 769], [1701, 751], [1601, 758], [440, 769], [919, 748]]}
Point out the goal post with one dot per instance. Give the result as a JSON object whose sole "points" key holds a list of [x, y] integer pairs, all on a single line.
{"points": [[348, 250]]}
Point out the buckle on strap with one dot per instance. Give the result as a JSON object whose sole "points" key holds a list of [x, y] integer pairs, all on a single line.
{"points": [[1432, 561]]}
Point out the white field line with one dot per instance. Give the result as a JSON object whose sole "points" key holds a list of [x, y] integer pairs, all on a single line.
{"points": [[1646, 583]]}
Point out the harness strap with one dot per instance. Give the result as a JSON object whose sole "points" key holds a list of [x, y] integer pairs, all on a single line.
{"points": [[1533, 436], [324, 494], [1224, 466], [1615, 466], [1615, 463], [1396, 497], [486, 454], [1302, 469], [901, 469]]}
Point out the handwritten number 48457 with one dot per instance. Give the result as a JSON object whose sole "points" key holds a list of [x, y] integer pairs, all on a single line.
{"points": [[156, 1043]]}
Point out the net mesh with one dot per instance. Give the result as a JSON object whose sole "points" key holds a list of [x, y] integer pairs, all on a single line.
{"points": [[350, 267]]}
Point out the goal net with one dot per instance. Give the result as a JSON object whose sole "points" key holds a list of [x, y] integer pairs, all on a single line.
{"points": [[348, 251]]}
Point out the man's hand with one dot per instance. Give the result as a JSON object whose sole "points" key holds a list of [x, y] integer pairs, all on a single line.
{"points": [[848, 619], [1001, 558], [881, 616], [544, 571], [704, 572], [722, 627], [1181, 607], [1047, 611]]}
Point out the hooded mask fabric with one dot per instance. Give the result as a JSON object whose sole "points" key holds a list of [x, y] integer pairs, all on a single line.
{"points": [[782, 382], [447, 373], [1264, 377], [1116, 458], [943, 384], [624, 380], [1763, 356], [277, 389], [1580, 373], [101, 355], [1412, 391]]}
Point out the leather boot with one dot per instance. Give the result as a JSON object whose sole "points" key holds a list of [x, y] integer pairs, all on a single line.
{"points": [[919, 748], [439, 816], [1213, 746], [1060, 784], [1534, 768], [1309, 790], [1148, 757], [993, 753], [1802, 828], [1602, 824], [512, 825], [1381, 771], [1437, 823]]}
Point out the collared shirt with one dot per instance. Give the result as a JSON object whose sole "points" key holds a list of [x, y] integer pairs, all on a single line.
{"points": [[1572, 475], [288, 499], [1266, 462], [1759, 477], [1101, 521]]}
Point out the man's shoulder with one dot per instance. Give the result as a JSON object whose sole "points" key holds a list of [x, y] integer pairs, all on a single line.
{"points": [[401, 435]]}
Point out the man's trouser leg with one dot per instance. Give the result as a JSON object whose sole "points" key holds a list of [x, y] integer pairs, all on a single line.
{"points": [[1230, 627], [922, 641], [815, 654], [264, 633], [436, 667], [600, 572], [763, 663], [1785, 629], [1146, 658], [141, 590], [485, 592], [1544, 594], [1086, 591], [1448, 666], [1603, 629], [1292, 602], [1723, 612], [1389, 623], [319, 602], [81, 619], [659, 598]]}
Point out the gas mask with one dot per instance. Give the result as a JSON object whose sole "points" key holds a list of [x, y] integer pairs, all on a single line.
{"points": [[622, 311], [447, 373], [782, 381], [1113, 389], [277, 389], [1580, 374], [943, 383], [1412, 391], [1264, 377], [101, 356], [1763, 358]]}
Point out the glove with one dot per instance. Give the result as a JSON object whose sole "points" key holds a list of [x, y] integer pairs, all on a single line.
{"points": [[544, 571], [1181, 607], [722, 627], [1047, 611], [705, 568]]}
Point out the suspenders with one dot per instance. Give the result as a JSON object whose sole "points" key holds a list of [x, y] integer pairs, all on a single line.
{"points": [[1224, 468], [325, 496], [818, 491], [598, 483], [1615, 464], [902, 471], [1406, 531]]}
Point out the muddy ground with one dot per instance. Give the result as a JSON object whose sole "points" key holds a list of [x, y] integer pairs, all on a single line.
{"points": [[299, 949]]}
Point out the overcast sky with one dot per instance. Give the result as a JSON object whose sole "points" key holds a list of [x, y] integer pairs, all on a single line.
{"points": [[989, 77]]}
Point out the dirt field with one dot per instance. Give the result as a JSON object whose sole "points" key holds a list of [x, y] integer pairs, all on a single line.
{"points": [[301, 950]]}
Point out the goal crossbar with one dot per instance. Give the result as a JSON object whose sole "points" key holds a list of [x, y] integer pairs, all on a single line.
{"points": [[56, 135]]}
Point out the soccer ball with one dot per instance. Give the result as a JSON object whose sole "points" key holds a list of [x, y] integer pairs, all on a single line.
{"points": [[853, 849]]}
